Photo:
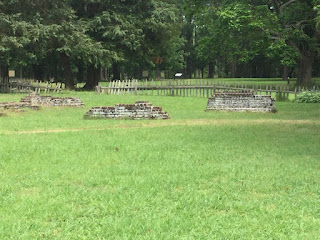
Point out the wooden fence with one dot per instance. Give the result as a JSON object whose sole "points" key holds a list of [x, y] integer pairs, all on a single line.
{"points": [[189, 88], [27, 85]]}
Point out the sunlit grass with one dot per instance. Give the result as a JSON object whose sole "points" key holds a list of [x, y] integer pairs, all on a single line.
{"points": [[198, 175]]}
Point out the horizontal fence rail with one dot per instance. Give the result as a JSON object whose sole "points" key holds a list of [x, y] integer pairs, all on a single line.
{"points": [[27, 85], [187, 88]]}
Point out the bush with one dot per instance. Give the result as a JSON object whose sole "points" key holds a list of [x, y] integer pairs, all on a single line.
{"points": [[281, 97], [308, 97]]}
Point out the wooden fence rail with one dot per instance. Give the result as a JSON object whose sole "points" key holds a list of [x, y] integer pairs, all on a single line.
{"points": [[187, 88], [27, 85]]}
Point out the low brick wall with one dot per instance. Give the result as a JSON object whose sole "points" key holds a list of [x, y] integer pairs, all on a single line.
{"points": [[37, 100], [138, 110], [34, 101], [237, 101], [16, 105]]}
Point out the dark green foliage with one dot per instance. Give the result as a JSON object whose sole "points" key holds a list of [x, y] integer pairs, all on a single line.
{"points": [[308, 97], [88, 40], [78, 36]]}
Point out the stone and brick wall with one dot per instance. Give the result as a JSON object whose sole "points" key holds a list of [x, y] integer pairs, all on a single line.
{"points": [[34, 100], [37, 100], [238, 101], [16, 106], [138, 110]]}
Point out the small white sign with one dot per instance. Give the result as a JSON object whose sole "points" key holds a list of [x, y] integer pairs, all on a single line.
{"points": [[178, 75], [145, 73], [12, 73]]}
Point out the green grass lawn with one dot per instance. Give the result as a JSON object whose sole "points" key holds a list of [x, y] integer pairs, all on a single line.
{"points": [[199, 175]]}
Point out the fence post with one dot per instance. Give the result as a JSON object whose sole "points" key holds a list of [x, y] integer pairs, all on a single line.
{"points": [[173, 87], [7, 85], [136, 87]]}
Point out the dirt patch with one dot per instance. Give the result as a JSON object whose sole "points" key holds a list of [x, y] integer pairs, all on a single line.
{"points": [[195, 122]]}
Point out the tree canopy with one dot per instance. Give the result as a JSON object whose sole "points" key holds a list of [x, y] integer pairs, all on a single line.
{"points": [[86, 40]]}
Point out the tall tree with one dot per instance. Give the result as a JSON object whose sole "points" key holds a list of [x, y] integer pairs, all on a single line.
{"points": [[292, 26]]}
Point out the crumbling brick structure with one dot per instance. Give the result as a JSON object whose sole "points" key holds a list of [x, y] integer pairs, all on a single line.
{"points": [[241, 101], [34, 100], [138, 110]]}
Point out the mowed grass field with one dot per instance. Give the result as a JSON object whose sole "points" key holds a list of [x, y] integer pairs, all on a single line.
{"points": [[199, 175]]}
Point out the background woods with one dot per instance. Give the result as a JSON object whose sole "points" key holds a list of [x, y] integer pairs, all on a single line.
{"points": [[88, 41]]}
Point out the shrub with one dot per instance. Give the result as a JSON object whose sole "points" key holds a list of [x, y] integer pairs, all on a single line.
{"points": [[281, 97], [308, 97]]}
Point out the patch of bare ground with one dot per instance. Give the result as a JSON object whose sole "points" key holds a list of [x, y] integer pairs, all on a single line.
{"points": [[168, 123]]}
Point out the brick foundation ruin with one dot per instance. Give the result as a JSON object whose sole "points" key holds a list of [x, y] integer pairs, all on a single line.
{"points": [[16, 106], [241, 102], [138, 110], [37, 100], [34, 100]]}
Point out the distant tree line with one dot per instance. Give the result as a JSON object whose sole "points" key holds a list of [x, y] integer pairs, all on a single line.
{"points": [[90, 40]]}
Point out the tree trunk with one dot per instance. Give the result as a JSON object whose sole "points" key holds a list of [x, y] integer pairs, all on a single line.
{"points": [[219, 67], [234, 69], [305, 70], [122, 77], [115, 71], [211, 70], [4, 71], [55, 72], [38, 72], [93, 78], [106, 74], [285, 73], [81, 74], [67, 72], [188, 69], [158, 73]]}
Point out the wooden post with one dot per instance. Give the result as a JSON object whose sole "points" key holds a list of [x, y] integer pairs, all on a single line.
{"points": [[183, 90], [187, 89], [110, 87], [152, 87], [157, 86], [196, 88], [46, 89]]}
